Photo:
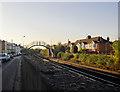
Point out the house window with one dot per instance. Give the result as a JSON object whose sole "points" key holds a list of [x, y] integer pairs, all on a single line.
{"points": [[83, 46], [90, 45], [80, 46], [86, 46], [94, 45]]}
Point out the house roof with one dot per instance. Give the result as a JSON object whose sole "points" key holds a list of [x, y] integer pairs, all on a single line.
{"points": [[95, 39], [65, 44], [72, 43]]}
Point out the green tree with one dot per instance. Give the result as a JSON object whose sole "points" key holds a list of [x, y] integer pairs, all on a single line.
{"points": [[60, 54], [67, 49], [59, 48], [83, 50], [116, 48], [44, 52], [67, 56], [74, 49]]}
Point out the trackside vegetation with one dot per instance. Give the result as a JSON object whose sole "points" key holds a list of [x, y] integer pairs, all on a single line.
{"points": [[109, 62], [44, 52]]}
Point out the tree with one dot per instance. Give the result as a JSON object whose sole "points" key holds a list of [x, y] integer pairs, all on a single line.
{"points": [[60, 54], [44, 52], [116, 48], [67, 49], [83, 50], [59, 48], [74, 49]]}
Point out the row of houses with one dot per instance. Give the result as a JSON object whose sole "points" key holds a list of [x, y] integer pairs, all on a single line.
{"points": [[8, 47], [95, 44]]}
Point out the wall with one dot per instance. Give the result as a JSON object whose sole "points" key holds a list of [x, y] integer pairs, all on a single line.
{"points": [[31, 78]]}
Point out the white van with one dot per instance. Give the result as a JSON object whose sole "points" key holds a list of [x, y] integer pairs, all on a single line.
{"points": [[4, 57]]}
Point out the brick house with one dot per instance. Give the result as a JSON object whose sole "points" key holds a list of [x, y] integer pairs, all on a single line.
{"points": [[95, 44], [4, 49]]}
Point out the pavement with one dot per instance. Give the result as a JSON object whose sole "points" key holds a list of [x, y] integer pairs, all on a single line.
{"points": [[9, 72], [0, 77]]}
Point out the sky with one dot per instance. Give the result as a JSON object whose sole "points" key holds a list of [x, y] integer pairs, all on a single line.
{"points": [[54, 22]]}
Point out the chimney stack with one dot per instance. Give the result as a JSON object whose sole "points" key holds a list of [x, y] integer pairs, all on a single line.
{"points": [[88, 37], [108, 39], [69, 41]]}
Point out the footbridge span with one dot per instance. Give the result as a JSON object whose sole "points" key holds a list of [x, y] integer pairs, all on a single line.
{"points": [[43, 44]]}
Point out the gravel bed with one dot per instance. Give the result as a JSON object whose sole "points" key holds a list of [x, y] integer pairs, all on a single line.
{"points": [[62, 79]]}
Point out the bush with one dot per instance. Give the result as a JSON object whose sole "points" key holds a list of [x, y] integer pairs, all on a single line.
{"points": [[92, 59], [82, 58], [74, 49], [67, 56], [79, 52], [59, 55], [83, 50], [67, 49], [44, 52], [100, 60], [75, 58], [116, 48]]}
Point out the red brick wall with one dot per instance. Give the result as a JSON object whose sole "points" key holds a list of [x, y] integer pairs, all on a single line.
{"points": [[3, 46], [104, 47]]}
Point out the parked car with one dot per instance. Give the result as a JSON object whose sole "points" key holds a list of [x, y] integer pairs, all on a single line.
{"points": [[11, 55], [19, 53], [4, 57], [0, 63]]}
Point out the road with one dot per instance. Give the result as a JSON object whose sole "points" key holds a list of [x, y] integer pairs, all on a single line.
{"points": [[9, 70]]}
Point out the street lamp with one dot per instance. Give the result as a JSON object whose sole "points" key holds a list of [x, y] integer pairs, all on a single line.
{"points": [[23, 40]]}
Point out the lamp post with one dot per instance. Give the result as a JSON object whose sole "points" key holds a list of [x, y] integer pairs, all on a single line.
{"points": [[23, 40]]}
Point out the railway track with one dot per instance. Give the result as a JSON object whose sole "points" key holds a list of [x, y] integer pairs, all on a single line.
{"points": [[107, 78]]}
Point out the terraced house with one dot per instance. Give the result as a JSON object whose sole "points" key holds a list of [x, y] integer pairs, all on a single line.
{"points": [[7, 47], [95, 44]]}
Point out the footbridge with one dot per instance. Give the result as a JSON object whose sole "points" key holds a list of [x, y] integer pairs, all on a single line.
{"points": [[43, 44]]}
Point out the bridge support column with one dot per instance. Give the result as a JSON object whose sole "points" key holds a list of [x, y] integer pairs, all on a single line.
{"points": [[49, 52]]}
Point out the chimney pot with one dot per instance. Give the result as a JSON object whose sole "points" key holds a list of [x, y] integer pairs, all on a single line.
{"points": [[108, 38]]}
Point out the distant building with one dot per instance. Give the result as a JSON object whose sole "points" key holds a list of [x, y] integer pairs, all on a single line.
{"points": [[18, 49], [0, 46], [7, 47], [4, 46], [96, 44]]}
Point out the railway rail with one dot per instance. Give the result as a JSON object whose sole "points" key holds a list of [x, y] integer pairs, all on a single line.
{"points": [[104, 77]]}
